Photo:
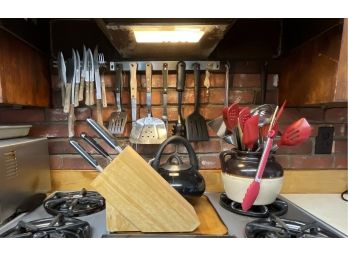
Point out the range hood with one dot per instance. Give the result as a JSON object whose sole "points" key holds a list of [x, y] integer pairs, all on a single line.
{"points": [[120, 33]]}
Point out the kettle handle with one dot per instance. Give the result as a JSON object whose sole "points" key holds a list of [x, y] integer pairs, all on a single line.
{"points": [[176, 140], [223, 160]]}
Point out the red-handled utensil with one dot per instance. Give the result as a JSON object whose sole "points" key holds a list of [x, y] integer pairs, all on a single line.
{"points": [[296, 133], [230, 115], [254, 188], [251, 132]]}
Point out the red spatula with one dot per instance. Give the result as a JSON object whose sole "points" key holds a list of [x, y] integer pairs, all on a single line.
{"points": [[230, 115], [251, 132], [296, 133]]}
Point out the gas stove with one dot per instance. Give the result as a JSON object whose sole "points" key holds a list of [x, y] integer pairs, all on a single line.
{"points": [[281, 219], [63, 214]]}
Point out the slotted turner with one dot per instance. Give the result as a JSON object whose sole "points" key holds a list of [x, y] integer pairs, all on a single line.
{"points": [[118, 119], [148, 130], [251, 132], [196, 127]]}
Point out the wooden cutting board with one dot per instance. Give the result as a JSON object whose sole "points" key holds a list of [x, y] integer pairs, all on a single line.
{"points": [[210, 222], [142, 198]]}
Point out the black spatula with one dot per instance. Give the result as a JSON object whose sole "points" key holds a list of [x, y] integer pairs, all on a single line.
{"points": [[196, 127]]}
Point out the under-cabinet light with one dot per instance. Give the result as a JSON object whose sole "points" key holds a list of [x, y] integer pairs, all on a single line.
{"points": [[170, 36]]}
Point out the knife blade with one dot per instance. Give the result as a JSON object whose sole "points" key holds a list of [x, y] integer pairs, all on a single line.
{"points": [[69, 81], [71, 117], [165, 91], [98, 87], [62, 75], [87, 78], [83, 74], [91, 77], [78, 78]]}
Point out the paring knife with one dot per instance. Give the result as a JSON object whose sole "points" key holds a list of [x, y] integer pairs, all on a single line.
{"points": [[62, 75], [83, 73], [77, 78], [91, 77], [98, 87]]}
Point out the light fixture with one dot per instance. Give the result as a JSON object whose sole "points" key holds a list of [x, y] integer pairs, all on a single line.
{"points": [[166, 35]]}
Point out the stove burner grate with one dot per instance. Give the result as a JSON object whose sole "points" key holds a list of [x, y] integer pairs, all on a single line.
{"points": [[55, 227], [278, 207], [74, 204], [275, 227]]}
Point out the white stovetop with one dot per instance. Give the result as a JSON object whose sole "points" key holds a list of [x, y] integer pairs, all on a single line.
{"points": [[328, 207]]}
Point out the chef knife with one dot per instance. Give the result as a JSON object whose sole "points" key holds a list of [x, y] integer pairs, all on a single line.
{"points": [[77, 78], [91, 77], [69, 79], [83, 73], [87, 78], [71, 117], [98, 86], [62, 75]]}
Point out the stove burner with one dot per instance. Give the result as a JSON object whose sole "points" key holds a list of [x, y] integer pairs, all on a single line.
{"points": [[278, 207], [74, 204], [56, 227], [274, 227]]}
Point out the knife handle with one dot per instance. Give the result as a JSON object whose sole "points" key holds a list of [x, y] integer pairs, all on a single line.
{"points": [[67, 98], [77, 94], [99, 112], [87, 93], [85, 155], [105, 103], [91, 93], [180, 81], [71, 121], [82, 83], [133, 87], [95, 145], [104, 133]]}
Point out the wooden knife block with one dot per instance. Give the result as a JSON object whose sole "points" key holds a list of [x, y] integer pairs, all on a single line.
{"points": [[139, 199]]}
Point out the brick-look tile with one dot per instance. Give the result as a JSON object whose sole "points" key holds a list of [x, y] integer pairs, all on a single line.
{"points": [[246, 80], [340, 146], [304, 148], [336, 115], [21, 115], [341, 161], [311, 161]]}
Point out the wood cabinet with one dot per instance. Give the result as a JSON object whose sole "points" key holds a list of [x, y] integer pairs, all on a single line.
{"points": [[24, 73], [316, 72]]}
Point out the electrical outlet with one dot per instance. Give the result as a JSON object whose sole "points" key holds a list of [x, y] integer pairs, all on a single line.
{"points": [[324, 140]]}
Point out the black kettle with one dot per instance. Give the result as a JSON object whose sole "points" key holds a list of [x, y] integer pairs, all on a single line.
{"points": [[183, 177]]}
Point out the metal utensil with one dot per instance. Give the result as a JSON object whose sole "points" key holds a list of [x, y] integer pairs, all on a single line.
{"points": [[196, 127], [83, 73], [118, 119], [91, 77], [179, 126], [104, 134], [62, 75], [85, 155], [102, 65], [95, 145], [133, 89], [98, 87], [71, 75], [77, 79], [148, 130], [88, 77], [165, 95]]}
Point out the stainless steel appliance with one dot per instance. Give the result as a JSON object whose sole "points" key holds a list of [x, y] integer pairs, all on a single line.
{"points": [[24, 171]]}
